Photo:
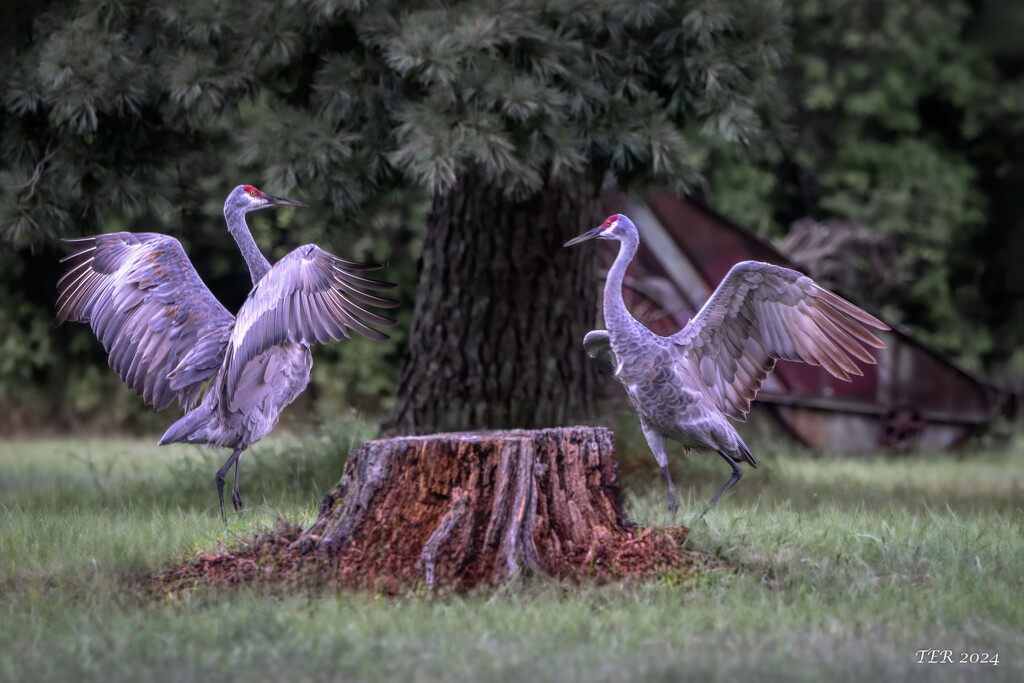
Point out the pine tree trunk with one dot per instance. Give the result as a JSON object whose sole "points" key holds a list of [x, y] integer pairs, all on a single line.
{"points": [[461, 509], [501, 311]]}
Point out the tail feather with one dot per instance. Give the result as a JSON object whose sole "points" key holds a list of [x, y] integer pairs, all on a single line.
{"points": [[188, 427], [747, 455]]}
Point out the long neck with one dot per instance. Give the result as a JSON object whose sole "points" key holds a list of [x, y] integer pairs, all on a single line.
{"points": [[257, 262], [617, 318]]}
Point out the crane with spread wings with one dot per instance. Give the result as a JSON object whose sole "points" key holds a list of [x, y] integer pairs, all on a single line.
{"points": [[168, 337], [685, 387]]}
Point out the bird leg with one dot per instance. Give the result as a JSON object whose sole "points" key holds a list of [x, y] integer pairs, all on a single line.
{"points": [[236, 497], [657, 443], [673, 498], [737, 472], [222, 475]]}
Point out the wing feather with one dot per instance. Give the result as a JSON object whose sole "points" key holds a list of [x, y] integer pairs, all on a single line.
{"points": [[824, 320], [599, 347], [309, 296], [761, 313], [164, 332]]}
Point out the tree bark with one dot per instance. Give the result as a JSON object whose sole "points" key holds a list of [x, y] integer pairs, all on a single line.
{"points": [[461, 509], [500, 314]]}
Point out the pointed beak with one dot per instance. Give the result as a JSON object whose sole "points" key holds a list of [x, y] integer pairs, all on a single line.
{"points": [[588, 235], [281, 201]]}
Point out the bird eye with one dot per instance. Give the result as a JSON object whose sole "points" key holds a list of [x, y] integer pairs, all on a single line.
{"points": [[252, 193]]}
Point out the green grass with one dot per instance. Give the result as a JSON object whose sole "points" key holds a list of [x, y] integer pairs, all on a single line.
{"points": [[839, 569]]}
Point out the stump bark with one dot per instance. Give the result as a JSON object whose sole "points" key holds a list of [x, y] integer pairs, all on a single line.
{"points": [[461, 509]]}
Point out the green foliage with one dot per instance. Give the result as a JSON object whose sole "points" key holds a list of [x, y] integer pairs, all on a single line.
{"points": [[543, 92], [120, 101], [25, 340], [903, 117]]}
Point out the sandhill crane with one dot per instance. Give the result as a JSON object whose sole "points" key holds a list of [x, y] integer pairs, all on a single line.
{"points": [[167, 336], [683, 387]]}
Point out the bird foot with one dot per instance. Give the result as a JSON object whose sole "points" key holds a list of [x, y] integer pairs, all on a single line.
{"points": [[673, 504], [700, 518]]}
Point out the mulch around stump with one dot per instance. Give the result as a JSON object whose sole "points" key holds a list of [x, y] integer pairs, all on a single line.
{"points": [[271, 560]]}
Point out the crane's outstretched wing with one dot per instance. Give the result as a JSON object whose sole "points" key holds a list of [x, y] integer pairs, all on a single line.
{"points": [[164, 331], [761, 313], [308, 296]]}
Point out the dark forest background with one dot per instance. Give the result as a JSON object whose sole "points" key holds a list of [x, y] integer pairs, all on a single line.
{"points": [[882, 142]]}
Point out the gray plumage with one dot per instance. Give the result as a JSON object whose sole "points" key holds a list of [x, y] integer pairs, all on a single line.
{"points": [[168, 337], [684, 387]]}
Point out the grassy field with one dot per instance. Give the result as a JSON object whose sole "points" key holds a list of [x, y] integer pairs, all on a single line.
{"points": [[840, 569]]}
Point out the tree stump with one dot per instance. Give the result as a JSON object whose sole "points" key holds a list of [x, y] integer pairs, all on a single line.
{"points": [[461, 509]]}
